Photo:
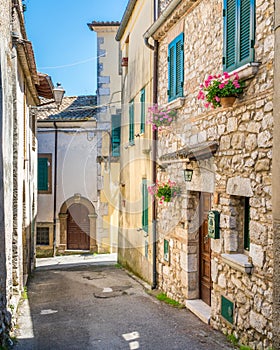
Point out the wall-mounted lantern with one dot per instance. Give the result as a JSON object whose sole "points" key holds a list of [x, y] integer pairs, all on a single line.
{"points": [[188, 173]]}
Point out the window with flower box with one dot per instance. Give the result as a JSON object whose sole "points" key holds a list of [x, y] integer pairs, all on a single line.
{"points": [[239, 33], [176, 68]]}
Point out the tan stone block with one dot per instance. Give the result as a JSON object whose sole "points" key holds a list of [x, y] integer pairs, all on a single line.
{"points": [[263, 165], [251, 142], [238, 141], [257, 321]]}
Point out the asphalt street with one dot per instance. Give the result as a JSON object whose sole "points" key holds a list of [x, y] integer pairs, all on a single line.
{"points": [[93, 306]]}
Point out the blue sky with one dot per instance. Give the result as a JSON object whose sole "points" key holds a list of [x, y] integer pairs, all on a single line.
{"points": [[64, 46]]}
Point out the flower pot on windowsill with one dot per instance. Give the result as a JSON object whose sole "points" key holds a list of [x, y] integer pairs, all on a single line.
{"points": [[227, 101]]}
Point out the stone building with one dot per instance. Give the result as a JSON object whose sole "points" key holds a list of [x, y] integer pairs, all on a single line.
{"points": [[135, 226], [20, 88], [226, 280]]}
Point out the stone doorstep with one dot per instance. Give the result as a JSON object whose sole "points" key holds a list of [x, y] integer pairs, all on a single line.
{"points": [[200, 309]]}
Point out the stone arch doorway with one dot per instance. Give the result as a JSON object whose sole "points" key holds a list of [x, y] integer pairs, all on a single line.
{"points": [[77, 219]]}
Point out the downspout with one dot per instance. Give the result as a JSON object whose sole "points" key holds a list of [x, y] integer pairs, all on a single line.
{"points": [[54, 188], [154, 157], [154, 150], [276, 183]]}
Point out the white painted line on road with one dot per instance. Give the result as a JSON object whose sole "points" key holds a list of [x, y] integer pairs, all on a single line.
{"points": [[131, 336], [48, 312], [134, 345]]}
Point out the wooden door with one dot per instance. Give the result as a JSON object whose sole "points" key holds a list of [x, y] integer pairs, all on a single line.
{"points": [[205, 249], [78, 237]]}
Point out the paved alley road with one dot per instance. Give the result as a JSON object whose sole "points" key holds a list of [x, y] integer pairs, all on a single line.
{"points": [[101, 307]]}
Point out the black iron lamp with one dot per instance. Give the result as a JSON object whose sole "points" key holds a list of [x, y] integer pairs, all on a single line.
{"points": [[188, 173]]}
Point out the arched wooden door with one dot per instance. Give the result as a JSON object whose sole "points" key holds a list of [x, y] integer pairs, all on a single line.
{"points": [[78, 229]]}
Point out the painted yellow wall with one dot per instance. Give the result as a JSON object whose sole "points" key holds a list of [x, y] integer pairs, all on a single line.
{"points": [[136, 162]]}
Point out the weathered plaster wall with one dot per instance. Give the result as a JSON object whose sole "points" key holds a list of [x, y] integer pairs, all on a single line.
{"points": [[135, 245]]}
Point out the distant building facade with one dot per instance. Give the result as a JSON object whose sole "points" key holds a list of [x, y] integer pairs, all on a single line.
{"points": [[67, 177], [109, 117]]}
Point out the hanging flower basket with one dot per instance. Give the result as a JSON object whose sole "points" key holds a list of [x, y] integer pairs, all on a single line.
{"points": [[216, 87], [165, 191], [160, 117]]}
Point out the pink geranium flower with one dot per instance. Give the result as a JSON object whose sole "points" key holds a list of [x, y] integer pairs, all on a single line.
{"points": [[217, 86]]}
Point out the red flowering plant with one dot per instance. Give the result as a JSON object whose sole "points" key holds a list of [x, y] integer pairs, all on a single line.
{"points": [[217, 86], [160, 117], [165, 191]]}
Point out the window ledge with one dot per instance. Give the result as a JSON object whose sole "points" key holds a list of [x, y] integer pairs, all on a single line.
{"points": [[239, 262], [175, 104], [248, 71]]}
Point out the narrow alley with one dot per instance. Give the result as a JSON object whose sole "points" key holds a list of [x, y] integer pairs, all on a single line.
{"points": [[97, 305]]}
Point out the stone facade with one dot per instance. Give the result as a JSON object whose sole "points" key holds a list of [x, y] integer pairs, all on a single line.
{"points": [[240, 168]]}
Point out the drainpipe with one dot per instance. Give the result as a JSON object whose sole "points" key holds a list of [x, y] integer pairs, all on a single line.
{"points": [[154, 149], [54, 188], [276, 183]]}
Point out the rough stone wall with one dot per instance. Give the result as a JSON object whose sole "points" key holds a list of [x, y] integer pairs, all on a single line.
{"points": [[244, 135], [6, 187]]}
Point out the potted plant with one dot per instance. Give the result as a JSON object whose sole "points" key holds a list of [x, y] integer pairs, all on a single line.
{"points": [[165, 191], [160, 117], [220, 90]]}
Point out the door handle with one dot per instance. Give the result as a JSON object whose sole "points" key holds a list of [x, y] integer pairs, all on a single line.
{"points": [[206, 239]]}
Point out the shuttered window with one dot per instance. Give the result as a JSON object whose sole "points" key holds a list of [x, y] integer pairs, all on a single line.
{"points": [[44, 173], [145, 206], [142, 102], [131, 122], [176, 68], [116, 135], [247, 223], [239, 33]]}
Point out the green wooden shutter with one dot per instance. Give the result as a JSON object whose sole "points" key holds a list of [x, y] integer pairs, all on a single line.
{"points": [[176, 67], [247, 15], [142, 101], [179, 68], [116, 135], [171, 75], [247, 223], [145, 206], [131, 122], [43, 171], [239, 33], [230, 39]]}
